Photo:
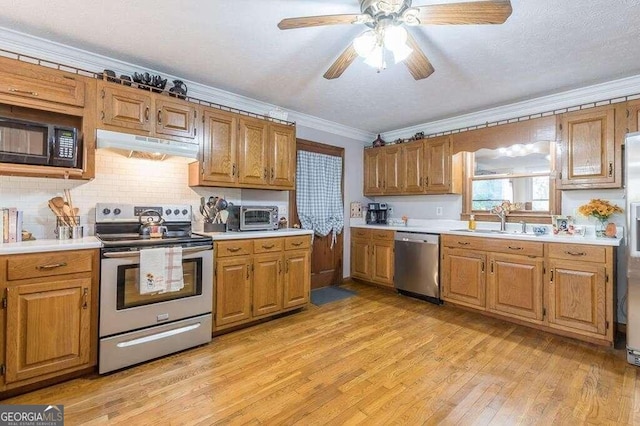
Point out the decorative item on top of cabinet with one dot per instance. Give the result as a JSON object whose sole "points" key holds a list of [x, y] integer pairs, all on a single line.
{"points": [[50, 327], [590, 153], [245, 152], [372, 252]]}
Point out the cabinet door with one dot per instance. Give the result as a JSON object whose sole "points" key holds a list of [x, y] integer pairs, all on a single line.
{"points": [[267, 284], [382, 262], [633, 116], [175, 118], [233, 290], [438, 165], [297, 278], [282, 155], [373, 171], [577, 296], [253, 167], [48, 327], [220, 147], [127, 109], [514, 286], [463, 277], [588, 150], [360, 259], [413, 168], [392, 182]]}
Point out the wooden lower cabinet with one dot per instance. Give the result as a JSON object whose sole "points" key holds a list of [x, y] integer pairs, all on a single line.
{"points": [[49, 323], [372, 255], [259, 278], [562, 288]]}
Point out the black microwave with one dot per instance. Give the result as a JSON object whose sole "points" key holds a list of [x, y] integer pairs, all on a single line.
{"points": [[40, 144]]}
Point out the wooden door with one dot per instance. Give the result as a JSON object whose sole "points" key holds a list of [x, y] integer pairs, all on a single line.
{"points": [[463, 277], [175, 118], [514, 286], [361, 259], [382, 262], [297, 278], [392, 181], [588, 150], [633, 116], [438, 165], [233, 290], [373, 171], [267, 283], [282, 155], [220, 147], [413, 168], [48, 327], [326, 258], [252, 154], [125, 108], [577, 296]]}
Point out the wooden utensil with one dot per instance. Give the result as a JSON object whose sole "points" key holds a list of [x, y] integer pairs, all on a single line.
{"points": [[72, 215], [57, 211]]}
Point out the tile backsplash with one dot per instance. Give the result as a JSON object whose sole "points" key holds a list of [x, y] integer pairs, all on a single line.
{"points": [[119, 180]]}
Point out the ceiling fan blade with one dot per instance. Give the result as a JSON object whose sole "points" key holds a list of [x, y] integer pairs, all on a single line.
{"points": [[418, 64], [318, 21], [471, 13], [345, 59]]}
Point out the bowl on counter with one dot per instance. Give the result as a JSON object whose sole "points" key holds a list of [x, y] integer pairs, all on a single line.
{"points": [[540, 230]]}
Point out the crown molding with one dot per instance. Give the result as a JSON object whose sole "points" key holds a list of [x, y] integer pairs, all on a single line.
{"points": [[41, 48], [559, 101]]}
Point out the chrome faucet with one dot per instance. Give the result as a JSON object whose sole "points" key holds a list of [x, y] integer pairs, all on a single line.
{"points": [[502, 214], [524, 226]]}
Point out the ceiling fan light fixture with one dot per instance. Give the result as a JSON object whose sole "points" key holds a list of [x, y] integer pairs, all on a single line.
{"points": [[395, 37], [401, 53], [365, 43], [410, 16], [375, 59]]}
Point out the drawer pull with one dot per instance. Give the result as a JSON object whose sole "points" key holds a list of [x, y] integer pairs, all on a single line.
{"points": [[279, 267], [159, 116], [514, 248], [576, 253], [146, 114], [268, 247], [462, 243], [298, 244], [51, 266], [233, 249], [26, 92], [248, 267], [85, 296]]}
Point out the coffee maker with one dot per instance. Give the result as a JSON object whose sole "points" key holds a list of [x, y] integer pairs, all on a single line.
{"points": [[377, 214]]}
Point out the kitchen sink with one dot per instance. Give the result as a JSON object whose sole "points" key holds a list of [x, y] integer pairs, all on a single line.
{"points": [[480, 231]]}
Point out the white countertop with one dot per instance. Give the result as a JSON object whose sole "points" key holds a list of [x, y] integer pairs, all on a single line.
{"points": [[289, 232], [452, 227], [37, 246]]}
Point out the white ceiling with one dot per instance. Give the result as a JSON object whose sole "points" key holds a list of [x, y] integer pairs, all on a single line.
{"points": [[546, 46]]}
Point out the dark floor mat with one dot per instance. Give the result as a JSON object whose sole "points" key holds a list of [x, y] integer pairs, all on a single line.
{"points": [[320, 296]]}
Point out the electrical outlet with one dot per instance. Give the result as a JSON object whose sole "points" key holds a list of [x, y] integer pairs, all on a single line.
{"points": [[438, 211], [390, 210]]}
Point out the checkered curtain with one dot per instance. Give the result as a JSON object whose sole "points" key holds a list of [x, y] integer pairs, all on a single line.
{"points": [[319, 193]]}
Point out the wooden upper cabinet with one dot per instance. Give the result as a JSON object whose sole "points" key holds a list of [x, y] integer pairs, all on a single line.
{"points": [[438, 165], [175, 118], [413, 167], [373, 171], [220, 148], [590, 153], [632, 115], [392, 178], [125, 108], [253, 168], [282, 155], [33, 84]]}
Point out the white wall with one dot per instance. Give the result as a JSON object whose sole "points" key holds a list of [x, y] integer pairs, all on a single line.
{"points": [[424, 206], [353, 177]]}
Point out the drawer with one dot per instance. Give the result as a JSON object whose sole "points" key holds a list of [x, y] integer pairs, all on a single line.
{"points": [[455, 241], [294, 243], [234, 248], [382, 235], [268, 245], [580, 252], [524, 248], [360, 233], [25, 266]]}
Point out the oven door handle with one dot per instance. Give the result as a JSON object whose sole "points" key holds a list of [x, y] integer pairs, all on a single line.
{"points": [[187, 250]]}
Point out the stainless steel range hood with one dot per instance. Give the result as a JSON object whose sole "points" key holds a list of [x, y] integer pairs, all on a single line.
{"points": [[145, 147]]}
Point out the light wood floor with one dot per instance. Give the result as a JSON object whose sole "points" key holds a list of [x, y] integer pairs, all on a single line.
{"points": [[376, 358]]}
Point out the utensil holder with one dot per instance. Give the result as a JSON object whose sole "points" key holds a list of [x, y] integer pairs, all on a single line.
{"points": [[215, 227], [77, 231], [63, 232]]}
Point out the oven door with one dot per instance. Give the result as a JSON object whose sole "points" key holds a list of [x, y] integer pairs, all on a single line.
{"points": [[255, 219], [123, 308]]}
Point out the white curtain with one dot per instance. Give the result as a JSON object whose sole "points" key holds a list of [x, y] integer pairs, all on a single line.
{"points": [[319, 193]]}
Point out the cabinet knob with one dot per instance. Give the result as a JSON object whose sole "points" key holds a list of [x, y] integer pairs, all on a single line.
{"points": [[85, 297], [159, 116]]}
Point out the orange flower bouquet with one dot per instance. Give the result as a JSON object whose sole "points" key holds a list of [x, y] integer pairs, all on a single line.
{"points": [[602, 210]]}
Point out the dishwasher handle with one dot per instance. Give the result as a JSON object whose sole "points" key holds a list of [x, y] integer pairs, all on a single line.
{"points": [[410, 237]]}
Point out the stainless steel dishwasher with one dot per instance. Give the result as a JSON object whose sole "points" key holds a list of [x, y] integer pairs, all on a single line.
{"points": [[417, 265]]}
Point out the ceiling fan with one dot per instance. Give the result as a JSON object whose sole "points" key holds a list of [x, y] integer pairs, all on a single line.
{"points": [[386, 20]]}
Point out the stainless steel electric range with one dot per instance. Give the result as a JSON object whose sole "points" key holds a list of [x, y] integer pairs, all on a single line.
{"points": [[137, 327]]}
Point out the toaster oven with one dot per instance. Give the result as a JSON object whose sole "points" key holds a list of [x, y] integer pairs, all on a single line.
{"points": [[252, 218]]}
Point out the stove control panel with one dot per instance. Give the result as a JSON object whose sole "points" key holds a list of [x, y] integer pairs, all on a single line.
{"points": [[112, 212]]}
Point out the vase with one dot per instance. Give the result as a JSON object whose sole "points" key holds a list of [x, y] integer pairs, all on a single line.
{"points": [[601, 226]]}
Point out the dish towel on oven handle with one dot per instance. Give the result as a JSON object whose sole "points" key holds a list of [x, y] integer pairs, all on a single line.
{"points": [[161, 270]]}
